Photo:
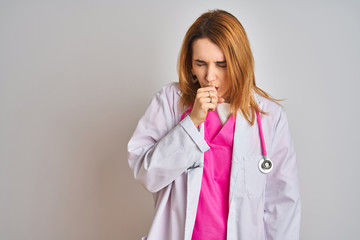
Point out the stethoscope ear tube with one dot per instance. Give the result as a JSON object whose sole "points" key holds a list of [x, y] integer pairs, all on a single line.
{"points": [[265, 164]]}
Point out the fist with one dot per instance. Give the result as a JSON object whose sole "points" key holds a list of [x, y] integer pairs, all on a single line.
{"points": [[206, 100]]}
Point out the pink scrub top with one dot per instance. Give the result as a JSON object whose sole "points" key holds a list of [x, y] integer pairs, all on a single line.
{"points": [[213, 207]]}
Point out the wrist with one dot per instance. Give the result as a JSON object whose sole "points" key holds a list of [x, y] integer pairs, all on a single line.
{"points": [[196, 123]]}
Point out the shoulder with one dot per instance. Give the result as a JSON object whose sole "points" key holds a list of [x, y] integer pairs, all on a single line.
{"points": [[170, 88], [168, 96], [267, 105], [274, 111], [170, 91]]}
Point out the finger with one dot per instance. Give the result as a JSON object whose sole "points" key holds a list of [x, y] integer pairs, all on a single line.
{"points": [[204, 100], [207, 95], [213, 100], [206, 89], [210, 107]]}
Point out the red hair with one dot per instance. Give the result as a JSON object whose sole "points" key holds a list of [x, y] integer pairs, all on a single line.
{"points": [[225, 30]]}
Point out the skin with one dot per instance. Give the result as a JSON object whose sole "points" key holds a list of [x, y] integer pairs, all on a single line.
{"points": [[209, 66]]}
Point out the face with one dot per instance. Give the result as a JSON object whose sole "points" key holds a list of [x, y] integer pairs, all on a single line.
{"points": [[209, 65]]}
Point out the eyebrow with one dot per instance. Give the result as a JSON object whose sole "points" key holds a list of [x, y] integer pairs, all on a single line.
{"points": [[218, 62]]}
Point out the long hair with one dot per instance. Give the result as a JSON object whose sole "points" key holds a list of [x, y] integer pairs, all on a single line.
{"points": [[225, 30]]}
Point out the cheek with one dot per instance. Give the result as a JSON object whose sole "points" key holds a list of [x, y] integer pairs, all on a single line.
{"points": [[226, 78], [200, 75], [225, 82], [197, 71], [222, 78]]}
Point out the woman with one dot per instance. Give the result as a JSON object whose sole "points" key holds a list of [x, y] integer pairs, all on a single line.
{"points": [[197, 147]]}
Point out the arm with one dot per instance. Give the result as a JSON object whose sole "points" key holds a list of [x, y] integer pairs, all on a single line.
{"points": [[282, 198], [161, 149]]}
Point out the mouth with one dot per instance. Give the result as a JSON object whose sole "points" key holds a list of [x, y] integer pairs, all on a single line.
{"points": [[217, 88]]}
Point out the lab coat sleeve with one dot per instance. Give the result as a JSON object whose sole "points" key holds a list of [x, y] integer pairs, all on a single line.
{"points": [[162, 148], [282, 198]]}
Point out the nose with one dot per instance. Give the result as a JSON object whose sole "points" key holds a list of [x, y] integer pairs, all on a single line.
{"points": [[210, 74]]}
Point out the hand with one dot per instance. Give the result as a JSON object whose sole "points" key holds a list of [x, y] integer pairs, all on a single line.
{"points": [[206, 100]]}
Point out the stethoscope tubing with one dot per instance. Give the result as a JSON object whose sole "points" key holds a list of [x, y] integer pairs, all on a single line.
{"points": [[265, 164], [263, 147]]}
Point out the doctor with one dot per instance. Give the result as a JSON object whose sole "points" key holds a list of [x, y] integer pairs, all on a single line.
{"points": [[203, 145]]}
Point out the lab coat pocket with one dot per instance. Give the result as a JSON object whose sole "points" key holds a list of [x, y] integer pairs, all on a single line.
{"points": [[254, 180]]}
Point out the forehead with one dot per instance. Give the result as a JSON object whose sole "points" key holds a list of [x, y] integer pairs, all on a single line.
{"points": [[206, 50]]}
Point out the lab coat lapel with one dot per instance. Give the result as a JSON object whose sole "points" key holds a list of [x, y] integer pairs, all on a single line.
{"points": [[194, 177], [242, 140], [242, 134]]}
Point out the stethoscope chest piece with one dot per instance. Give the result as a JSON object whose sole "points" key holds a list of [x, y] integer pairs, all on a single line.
{"points": [[265, 165]]}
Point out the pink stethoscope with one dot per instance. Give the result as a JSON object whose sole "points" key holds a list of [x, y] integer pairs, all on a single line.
{"points": [[265, 164]]}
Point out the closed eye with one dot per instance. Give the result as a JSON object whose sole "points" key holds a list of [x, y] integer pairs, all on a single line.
{"points": [[221, 64], [200, 63]]}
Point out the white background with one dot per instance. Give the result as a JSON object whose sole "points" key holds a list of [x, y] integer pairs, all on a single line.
{"points": [[75, 77]]}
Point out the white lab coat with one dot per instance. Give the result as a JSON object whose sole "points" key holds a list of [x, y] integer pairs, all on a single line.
{"points": [[167, 156]]}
